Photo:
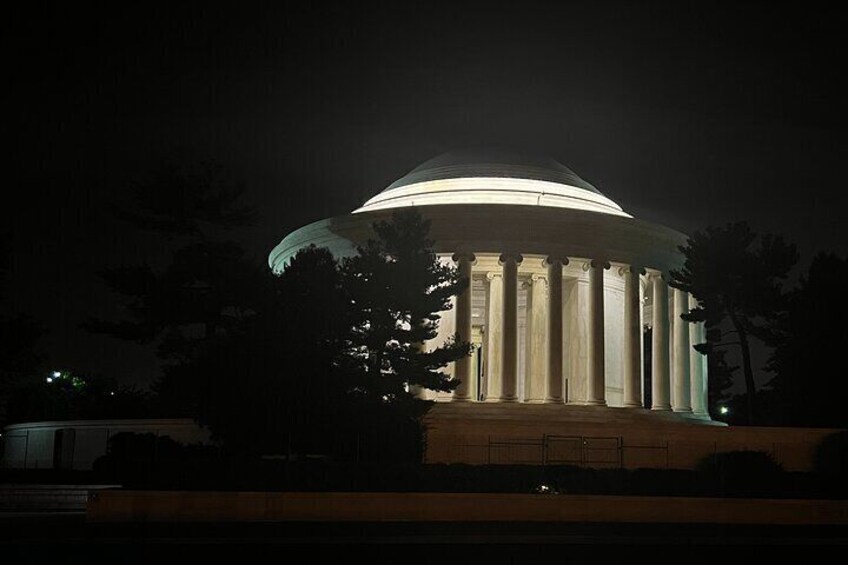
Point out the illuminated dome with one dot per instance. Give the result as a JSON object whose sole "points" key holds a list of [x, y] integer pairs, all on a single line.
{"points": [[492, 177]]}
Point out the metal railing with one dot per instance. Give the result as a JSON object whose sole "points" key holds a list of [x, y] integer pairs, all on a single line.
{"points": [[582, 451]]}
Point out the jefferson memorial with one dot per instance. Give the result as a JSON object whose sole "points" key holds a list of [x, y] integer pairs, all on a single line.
{"points": [[568, 301], [576, 332]]}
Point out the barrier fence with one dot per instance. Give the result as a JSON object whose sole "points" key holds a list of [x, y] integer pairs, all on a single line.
{"points": [[581, 451]]}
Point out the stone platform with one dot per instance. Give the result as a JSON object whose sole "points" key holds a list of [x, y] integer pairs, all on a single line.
{"points": [[602, 437], [453, 508]]}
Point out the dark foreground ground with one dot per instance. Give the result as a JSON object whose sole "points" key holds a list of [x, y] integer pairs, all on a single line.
{"points": [[67, 537]]}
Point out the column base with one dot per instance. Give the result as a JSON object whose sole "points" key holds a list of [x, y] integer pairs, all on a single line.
{"points": [[665, 408], [460, 399], [683, 410], [596, 403], [632, 405]]}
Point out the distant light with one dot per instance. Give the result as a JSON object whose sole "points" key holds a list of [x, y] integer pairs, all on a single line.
{"points": [[112, 393], [56, 374], [724, 410], [49, 379]]}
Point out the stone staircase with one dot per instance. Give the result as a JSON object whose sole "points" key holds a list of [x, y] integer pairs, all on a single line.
{"points": [[563, 413]]}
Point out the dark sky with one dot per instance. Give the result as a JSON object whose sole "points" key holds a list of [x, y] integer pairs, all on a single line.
{"points": [[684, 113]]}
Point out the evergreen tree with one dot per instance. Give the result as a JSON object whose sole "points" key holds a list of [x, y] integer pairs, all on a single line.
{"points": [[19, 336], [720, 379], [327, 367], [66, 395], [277, 384], [398, 288], [737, 281], [188, 201], [809, 375], [207, 288]]}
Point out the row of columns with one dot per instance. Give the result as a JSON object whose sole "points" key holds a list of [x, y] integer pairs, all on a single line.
{"points": [[688, 388]]}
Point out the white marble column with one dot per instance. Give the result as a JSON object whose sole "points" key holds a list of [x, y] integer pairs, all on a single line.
{"points": [[659, 346], [681, 401], [494, 337], [462, 310], [697, 365], [596, 386], [536, 373], [509, 342], [555, 333], [632, 338], [576, 339]]}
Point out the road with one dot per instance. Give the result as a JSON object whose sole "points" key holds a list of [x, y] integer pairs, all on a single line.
{"points": [[46, 537]]}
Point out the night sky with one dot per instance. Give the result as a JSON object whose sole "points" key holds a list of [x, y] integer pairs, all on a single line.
{"points": [[685, 114]]}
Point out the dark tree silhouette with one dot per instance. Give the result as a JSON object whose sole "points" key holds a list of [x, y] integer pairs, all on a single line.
{"points": [[19, 337], [208, 287], [809, 381], [278, 383], [19, 362], [736, 277], [71, 396], [398, 287], [189, 201], [327, 368], [720, 379]]}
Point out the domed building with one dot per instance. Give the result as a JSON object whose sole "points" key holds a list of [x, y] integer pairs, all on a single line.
{"points": [[564, 284], [577, 335]]}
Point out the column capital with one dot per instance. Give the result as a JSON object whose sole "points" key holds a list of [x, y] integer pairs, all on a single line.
{"points": [[464, 255], [551, 260], [655, 275], [493, 274], [627, 269], [513, 256], [599, 263], [536, 277]]}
